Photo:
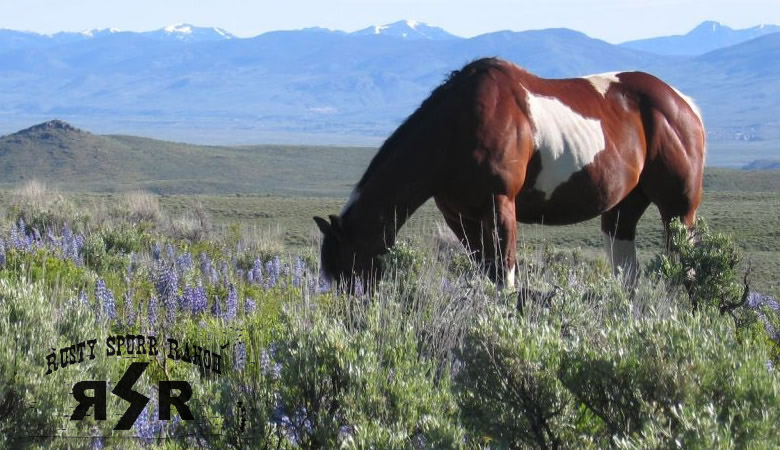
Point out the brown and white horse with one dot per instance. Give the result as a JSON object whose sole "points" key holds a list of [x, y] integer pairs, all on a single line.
{"points": [[495, 145]]}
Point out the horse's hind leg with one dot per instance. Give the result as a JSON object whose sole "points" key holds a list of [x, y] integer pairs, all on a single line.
{"points": [[618, 226]]}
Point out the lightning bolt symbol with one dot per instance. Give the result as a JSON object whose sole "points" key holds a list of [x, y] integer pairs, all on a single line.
{"points": [[124, 390]]}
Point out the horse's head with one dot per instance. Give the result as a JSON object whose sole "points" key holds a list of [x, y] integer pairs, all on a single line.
{"points": [[342, 260]]}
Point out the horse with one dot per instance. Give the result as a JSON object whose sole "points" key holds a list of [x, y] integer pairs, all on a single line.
{"points": [[494, 145]]}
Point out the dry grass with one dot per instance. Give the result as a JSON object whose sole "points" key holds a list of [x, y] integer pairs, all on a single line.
{"points": [[143, 206]]}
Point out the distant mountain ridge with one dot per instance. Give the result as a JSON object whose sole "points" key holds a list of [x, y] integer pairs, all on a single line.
{"points": [[706, 37], [318, 86]]}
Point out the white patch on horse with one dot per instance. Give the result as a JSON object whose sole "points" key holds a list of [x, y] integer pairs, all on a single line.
{"points": [[690, 103], [621, 253], [601, 82], [352, 199], [566, 141], [509, 283]]}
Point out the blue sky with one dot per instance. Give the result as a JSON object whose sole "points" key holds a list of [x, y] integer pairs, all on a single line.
{"points": [[611, 20]]}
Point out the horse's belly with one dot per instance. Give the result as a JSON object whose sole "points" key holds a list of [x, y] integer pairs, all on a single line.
{"points": [[578, 199]]}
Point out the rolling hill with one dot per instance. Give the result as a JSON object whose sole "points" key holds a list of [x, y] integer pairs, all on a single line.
{"points": [[73, 159]]}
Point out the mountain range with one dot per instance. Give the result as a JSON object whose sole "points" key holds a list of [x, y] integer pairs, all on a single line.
{"points": [[319, 86]]}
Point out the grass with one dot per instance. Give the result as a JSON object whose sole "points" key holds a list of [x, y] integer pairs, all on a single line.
{"points": [[437, 357]]}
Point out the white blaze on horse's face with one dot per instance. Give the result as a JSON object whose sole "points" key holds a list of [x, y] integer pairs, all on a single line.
{"points": [[565, 140], [603, 81]]}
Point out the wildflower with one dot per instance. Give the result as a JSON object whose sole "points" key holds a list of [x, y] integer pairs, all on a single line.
{"points": [[156, 251], [129, 308], [83, 299], [299, 270], [232, 303], [171, 252], [184, 262], [2, 252], [105, 297], [257, 271], [249, 306], [216, 310], [205, 265], [195, 298], [167, 282], [239, 355], [152, 312]]}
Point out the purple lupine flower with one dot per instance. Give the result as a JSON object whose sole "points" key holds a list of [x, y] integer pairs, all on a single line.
{"points": [[196, 299], [257, 272], [171, 252], [51, 238], [205, 265], [105, 297], [2, 252], [299, 270], [239, 356], [152, 311], [167, 282], [18, 236], [83, 299], [97, 443], [37, 240], [156, 252], [225, 271], [184, 262], [216, 310], [129, 307], [146, 427], [359, 291], [232, 303], [249, 306], [273, 270]]}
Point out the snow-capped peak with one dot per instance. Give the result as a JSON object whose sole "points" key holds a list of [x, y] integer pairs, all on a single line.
{"points": [[182, 28], [92, 33], [406, 29]]}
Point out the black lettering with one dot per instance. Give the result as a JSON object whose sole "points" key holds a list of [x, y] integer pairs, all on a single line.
{"points": [[98, 400], [51, 362], [179, 401], [120, 342], [81, 346], [186, 355], [91, 344], [130, 344], [173, 349], [63, 357], [72, 351], [196, 349], [110, 344], [207, 359], [124, 390], [141, 347], [152, 346]]}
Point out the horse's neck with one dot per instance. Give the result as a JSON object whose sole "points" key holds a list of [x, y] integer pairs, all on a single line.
{"points": [[381, 205]]}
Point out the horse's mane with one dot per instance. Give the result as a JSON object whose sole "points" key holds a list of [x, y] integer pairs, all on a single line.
{"points": [[455, 78]]}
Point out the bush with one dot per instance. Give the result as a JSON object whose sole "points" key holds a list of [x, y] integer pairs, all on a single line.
{"points": [[705, 264]]}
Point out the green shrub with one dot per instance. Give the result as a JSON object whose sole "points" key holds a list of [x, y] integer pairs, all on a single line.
{"points": [[705, 264], [361, 388]]}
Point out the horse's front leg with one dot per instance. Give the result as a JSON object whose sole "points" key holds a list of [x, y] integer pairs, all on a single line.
{"points": [[500, 241]]}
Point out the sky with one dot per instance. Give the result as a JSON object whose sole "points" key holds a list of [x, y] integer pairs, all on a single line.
{"points": [[611, 20]]}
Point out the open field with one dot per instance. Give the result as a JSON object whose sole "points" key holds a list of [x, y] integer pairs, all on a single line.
{"points": [[745, 204]]}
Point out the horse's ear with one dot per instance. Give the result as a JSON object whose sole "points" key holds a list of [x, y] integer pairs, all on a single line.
{"points": [[323, 225], [336, 224]]}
